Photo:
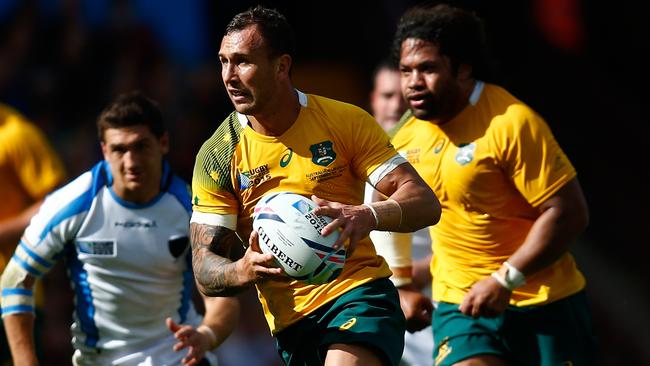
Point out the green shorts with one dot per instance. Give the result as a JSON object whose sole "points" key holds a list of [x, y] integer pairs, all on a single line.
{"points": [[559, 333], [369, 315]]}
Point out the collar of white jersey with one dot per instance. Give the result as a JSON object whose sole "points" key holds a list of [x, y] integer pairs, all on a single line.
{"points": [[476, 93], [302, 99]]}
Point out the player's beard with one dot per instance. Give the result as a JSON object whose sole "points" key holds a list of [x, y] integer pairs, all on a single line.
{"points": [[441, 106], [429, 110]]}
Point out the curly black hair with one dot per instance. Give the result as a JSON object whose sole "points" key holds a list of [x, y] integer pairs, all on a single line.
{"points": [[457, 33]]}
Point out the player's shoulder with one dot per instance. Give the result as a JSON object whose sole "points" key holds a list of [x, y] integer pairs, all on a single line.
{"points": [[14, 124], [79, 193], [406, 117], [226, 136], [178, 188], [332, 108], [508, 115]]}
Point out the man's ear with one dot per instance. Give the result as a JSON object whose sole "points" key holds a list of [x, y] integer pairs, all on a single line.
{"points": [[464, 72], [284, 66], [164, 143], [104, 149]]}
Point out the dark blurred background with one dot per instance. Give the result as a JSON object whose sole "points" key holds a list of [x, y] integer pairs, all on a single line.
{"points": [[580, 64]]}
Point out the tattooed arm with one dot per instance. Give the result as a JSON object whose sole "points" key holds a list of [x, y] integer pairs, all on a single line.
{"points": [[216, 274]]}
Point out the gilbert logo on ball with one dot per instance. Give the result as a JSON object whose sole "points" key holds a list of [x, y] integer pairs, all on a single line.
{"points": [[289, 230]]}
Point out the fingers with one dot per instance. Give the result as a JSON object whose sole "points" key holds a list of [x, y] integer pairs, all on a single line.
{"points": [[192, 358], [319, 201], [171, 325], [254, 242], [332, 226], [343, 236]]}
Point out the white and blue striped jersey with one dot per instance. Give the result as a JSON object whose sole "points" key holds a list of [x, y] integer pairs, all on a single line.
{"points": [[129, 264]]}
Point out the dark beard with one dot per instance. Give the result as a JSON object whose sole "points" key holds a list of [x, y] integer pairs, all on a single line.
{"points": [[430, 111]]}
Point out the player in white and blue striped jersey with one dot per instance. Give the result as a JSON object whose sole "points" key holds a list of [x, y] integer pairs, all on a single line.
{"points": [[122, 230]]}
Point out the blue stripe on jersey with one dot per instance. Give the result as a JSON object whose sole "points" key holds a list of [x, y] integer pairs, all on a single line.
{"points": [[179, 189], [188, 284], [129, 204], [33, 271], [81, 203], [84, 298], [38, 259], [16, 291], [17, 309]]}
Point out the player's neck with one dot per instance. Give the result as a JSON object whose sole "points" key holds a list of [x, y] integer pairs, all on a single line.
{"points": [[280, 114], [460, 103]]}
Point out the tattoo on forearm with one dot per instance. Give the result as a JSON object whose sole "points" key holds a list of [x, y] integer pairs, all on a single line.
{"points": [[213, 270]]}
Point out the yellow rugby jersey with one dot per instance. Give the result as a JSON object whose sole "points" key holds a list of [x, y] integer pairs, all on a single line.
{"points": [[29, 169], [490, 167], [329, 151]]}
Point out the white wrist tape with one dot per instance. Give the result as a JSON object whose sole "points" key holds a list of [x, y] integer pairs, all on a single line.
{"points": [[501, 280], [514, 276], [374, 213], [204, 329], [401, 281], [394, 247], [512, 279]]}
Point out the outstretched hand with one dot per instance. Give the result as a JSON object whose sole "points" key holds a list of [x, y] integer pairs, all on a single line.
{"points": [[355, 222], [188, 337]]}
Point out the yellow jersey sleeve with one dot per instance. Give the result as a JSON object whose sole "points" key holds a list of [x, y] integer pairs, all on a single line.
{"points": [[213, 188], [371, 145], [37, 166], [530, 155]]}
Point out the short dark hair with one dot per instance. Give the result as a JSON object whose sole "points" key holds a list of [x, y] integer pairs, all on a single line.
{"points": [[273, 26], [388, 63], [131, 109], [459, 34]]}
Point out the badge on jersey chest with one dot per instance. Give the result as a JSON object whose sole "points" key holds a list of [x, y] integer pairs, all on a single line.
{"points": [[322, 153], [177, 245], [99, 248], [465, 153]]}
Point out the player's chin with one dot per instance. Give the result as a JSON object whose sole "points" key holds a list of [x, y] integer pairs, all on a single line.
{"points": [[423, 113], [245, 108]]}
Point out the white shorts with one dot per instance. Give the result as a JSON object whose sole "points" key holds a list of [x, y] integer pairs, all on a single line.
{"points": [[158, 354]]}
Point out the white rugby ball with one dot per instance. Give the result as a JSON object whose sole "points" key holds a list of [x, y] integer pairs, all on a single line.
{"points": [[290, 231]]}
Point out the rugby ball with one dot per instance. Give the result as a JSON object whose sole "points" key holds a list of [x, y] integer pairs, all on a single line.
{"points": [[290, 231]]}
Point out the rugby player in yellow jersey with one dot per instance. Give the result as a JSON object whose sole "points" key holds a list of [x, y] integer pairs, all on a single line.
{"points": [[29, 169], [509, 292], [280, 139]]}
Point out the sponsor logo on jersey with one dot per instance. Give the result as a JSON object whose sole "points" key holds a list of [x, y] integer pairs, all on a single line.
{"points": [[177, 245], [326, 174], [136, 224], [438, 145], [349, 324], [322, 153], [286, 158], [254, 177], [465, 153], [444, 349], [411, 155], [97, 247]]}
